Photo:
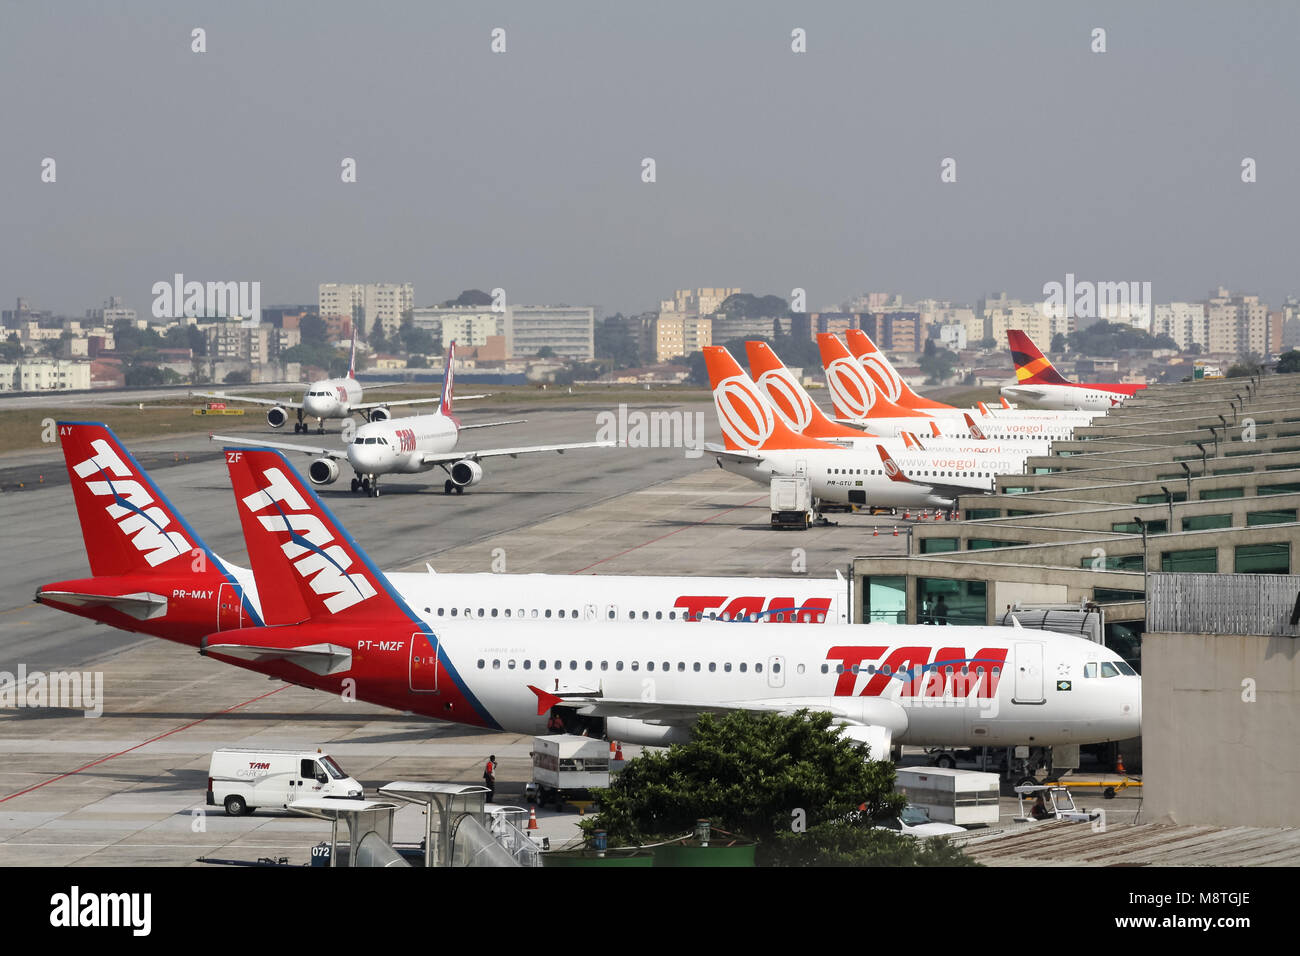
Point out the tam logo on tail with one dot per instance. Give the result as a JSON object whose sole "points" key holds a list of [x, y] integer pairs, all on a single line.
{"points": [[310, 548], [144, 526], [447, 377]]}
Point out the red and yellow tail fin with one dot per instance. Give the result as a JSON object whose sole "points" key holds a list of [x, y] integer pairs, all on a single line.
{"points": [[1032, 366]]}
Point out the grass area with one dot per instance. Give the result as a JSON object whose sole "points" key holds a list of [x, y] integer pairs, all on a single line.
{"points": [[25, 429]]}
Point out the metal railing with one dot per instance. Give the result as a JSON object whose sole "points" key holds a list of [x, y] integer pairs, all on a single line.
{"points": [[1264, 604]]}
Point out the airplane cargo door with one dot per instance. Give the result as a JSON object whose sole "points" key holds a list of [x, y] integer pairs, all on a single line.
{"points": [[776, 672], [1029, 674], [230, 607], [424, 663]]}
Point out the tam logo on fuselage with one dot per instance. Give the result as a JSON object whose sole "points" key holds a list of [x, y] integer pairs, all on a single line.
{"points": [[322, 564], [949, 672], [405, 439], [144, 527]]}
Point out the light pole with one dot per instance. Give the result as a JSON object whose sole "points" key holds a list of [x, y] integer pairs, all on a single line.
{"points": [[1188, 472], [1143, 525], [1201, 446], [1169, 498]]}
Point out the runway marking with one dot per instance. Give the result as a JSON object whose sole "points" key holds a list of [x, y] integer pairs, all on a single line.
{"points": [[174, 730], [744, 504]]}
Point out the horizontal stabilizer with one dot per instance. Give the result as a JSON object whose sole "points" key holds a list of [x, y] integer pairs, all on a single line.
{"points": [[143, 605]]}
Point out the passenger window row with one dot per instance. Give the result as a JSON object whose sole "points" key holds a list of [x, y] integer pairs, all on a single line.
{"points": [[666, 666]]}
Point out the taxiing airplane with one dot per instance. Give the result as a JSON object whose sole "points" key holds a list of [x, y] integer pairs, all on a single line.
{"points": [[408, 446], [758, 445], [339, 624], [1040, 385], [327, 398], [151, 572]]}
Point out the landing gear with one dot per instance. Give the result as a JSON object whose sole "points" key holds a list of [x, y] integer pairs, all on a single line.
{"points": [[299, 425], [356, 485], [460, 489], [370, 485], [320, 428], [447, 486]]}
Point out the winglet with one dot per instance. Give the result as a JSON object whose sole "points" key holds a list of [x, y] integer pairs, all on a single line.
{"points": [[975, 431], [545, 700], [984, 409], [934, 429], [1005, 403], [892, 471]]}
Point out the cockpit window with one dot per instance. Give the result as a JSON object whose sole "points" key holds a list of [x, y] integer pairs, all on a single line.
{"points": [[1108, 669], [1090, 669], [1125, 669]]}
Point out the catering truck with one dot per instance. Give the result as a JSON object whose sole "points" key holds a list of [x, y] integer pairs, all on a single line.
{"points": [[792, 502], [566, 768], [243, 780], [964, 797]]}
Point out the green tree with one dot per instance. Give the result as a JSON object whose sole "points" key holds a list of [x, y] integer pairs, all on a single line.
{"points": [[546, 352], [1058, 343], [236, 377], [847, 844], [474, 297], [11, 350], [1289, 362], [748, 773], [937, 364]]}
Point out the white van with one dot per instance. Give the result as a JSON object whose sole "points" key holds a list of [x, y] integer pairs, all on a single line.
{"points": [[243, 780]]}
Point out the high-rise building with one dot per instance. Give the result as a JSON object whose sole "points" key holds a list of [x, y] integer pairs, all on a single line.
{"points": [[369, 304], [679, 334], [569, 332]]}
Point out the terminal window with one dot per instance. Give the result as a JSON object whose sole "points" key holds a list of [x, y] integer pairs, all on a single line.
{"points": [[1205, 522], [1280, 516], [1274, 558], [951, 601], [1193, 559]]}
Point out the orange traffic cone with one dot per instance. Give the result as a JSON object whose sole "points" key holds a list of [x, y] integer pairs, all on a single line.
{"points": [[895, 531], [907, 515], [1119, 763], [532, 818], [875, 532], [618, 754]]}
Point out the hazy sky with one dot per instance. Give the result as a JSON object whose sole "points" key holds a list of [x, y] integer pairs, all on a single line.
{"points": [[523, 169]]}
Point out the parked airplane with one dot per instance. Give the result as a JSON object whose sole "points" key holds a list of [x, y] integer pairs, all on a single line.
{"points": [[857, 400], [883, 374], [339, 624], [151, 573], [408, 446], [1040, 385], [797, 408], [758, 446], [327, 398]]}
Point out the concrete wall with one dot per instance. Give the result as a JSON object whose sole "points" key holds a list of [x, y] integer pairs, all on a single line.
{"points": [[1211, 756]]}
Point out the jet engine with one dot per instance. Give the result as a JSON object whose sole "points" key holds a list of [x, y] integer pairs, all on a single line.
{"points": [[380, 414], [323, 471], [633, 731], [276, 416], [466, 472]]}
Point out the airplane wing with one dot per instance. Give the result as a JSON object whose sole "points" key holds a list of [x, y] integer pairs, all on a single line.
{"points": [[720, 452], [446, 458], [143, 605], [408, 401], [223, 397], [872, 720], [510, 421], [320, 659], [335, 453]]}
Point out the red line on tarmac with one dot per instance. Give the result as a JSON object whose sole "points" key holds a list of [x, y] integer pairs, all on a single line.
{"points": [[175, 730], [662, 536]]}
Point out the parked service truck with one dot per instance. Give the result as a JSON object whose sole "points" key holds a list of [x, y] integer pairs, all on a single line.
{"points": [[792, 502], [964, 797], [243, 780], [566, 767]]}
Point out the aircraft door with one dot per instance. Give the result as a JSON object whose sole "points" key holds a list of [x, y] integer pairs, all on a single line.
{"points": [[589, 612], [1029, 674], [230, 607], [776, 672], [424, 663]]}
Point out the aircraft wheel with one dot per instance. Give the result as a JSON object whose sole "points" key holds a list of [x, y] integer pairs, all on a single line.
{"points": [[446, 487], [1030, 781], [356, 486], [945, 761], [460, 489]]}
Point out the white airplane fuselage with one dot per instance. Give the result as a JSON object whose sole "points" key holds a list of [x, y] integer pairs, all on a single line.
{"points": [[398, 445], [331, 398], [1064, 397]]}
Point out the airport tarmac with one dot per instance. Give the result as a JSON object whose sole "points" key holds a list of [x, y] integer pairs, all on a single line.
{"points": [[127, 788]]}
